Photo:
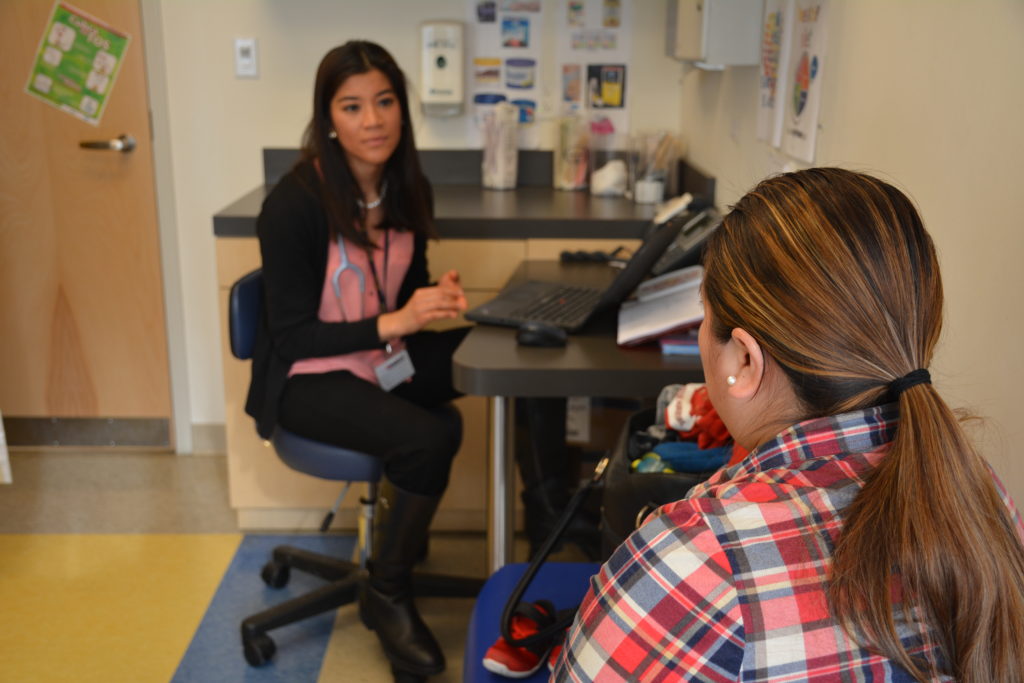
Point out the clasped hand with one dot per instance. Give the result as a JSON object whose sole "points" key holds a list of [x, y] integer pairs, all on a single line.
{"points": [[443, 300]]}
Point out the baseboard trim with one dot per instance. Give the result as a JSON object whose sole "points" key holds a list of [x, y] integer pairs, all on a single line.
{"points": [[87, 431], [209, 438]]}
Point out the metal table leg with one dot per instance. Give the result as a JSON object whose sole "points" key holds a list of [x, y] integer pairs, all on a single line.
{"points": [[502, 520]]}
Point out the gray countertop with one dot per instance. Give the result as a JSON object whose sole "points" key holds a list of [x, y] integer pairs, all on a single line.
{"points": [[469, 211], [462, 208]]}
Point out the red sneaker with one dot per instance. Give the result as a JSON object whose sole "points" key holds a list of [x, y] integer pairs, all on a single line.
{"points": [[519, 662], [556, 651]]}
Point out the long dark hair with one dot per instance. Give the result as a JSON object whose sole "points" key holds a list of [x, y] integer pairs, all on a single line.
{"points": [[833, 273], [407, 204]]}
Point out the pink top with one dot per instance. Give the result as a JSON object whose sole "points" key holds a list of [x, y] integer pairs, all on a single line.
{"points": [[355, 305]]}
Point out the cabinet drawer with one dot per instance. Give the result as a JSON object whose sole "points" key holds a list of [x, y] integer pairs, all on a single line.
{"points": [[236, 256], [482, 264]]}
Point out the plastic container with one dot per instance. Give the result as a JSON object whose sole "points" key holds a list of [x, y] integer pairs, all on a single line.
{"points": [[571, 157], [652, 161], [609, 170], [500, 147]]}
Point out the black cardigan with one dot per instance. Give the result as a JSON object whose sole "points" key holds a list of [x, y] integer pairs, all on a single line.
{"points": [[293, 234]]}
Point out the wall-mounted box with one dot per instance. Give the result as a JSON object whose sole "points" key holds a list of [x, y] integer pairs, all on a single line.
{"points": [[715, 33], [441, 68]]}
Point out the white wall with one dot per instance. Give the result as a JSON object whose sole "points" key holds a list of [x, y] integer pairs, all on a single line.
{"points": [[211, 127], [929, 95]]}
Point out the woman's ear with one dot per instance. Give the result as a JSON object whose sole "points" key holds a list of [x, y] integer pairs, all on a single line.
{"points": [[748, 362]]}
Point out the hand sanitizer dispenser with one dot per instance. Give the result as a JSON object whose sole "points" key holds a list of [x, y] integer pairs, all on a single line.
{"points": [[441, 69]]}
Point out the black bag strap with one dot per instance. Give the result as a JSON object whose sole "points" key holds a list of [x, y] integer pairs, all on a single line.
{"points": [[564, 617]]}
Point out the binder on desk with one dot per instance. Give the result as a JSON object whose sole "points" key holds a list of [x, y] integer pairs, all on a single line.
{"points": [[663, 304]]}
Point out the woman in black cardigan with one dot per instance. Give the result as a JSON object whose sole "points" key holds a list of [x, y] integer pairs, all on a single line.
{"points": [[342, 357]]}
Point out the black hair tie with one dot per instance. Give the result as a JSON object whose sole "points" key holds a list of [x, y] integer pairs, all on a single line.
{"points": [[911, 379]]}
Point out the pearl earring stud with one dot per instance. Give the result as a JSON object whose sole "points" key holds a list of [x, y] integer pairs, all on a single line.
{"points": [[730, 380]]}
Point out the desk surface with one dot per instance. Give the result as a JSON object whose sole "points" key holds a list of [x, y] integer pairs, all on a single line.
{"points": [[490, 363]]}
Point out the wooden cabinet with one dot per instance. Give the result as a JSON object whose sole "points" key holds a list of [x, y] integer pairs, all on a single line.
{"points": [[269, 495]]}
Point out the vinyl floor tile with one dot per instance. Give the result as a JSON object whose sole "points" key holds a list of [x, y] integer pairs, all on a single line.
{"points": [[104, 607]]}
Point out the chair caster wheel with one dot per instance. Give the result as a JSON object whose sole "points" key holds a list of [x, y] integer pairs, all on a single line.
{"points": [[275, 574], [259, 649]]}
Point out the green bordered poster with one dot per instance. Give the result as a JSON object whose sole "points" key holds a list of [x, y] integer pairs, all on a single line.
{"points": [[78, 59]]}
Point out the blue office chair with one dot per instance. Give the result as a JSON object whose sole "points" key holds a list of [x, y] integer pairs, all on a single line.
{"points": [[563, 583], [245, 307]]}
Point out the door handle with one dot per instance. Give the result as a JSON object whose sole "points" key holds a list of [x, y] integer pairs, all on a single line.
{"points": [[122, 143]]}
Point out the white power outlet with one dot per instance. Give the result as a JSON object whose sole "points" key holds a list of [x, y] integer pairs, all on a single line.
{"points": [[246, 63]]}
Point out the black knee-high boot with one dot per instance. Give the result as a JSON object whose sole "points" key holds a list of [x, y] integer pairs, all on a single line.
{"points": [[386, 602]]}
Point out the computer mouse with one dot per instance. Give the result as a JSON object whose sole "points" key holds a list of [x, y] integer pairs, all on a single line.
{"points": [[540, 334]]}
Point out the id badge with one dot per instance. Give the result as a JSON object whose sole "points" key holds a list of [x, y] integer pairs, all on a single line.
{"points": [[394, 370]]}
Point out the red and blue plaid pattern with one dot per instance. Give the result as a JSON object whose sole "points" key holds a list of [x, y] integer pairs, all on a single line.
{"points": [[730, 583]]}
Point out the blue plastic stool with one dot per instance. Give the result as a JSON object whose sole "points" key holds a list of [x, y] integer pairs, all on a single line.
{"points": [[563, 583]]}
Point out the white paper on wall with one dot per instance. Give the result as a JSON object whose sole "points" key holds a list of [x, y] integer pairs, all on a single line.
{"points": [[593, 59], [776, 41], [504, 63], [806, 64]]}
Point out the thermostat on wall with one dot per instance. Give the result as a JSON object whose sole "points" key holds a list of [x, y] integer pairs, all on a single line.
{"points": [[441, 68]]}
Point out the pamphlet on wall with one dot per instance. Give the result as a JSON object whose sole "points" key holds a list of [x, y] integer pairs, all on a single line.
{"points": [[776, 42], [806, 63], [662, 304]]}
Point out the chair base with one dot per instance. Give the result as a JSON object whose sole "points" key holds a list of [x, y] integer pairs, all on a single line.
{"points": [[345, 579]]}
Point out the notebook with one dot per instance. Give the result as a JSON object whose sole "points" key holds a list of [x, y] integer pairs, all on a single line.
{"points": [[570, 306]]}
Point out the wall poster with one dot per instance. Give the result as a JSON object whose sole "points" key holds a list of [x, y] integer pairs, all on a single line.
{"points": [[806, 61], [505, 62], [593, 56], [776, 40], [77, 62], [590, 72]]}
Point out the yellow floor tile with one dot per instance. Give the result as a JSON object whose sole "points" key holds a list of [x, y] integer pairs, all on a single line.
{"points": [[110, 607]]}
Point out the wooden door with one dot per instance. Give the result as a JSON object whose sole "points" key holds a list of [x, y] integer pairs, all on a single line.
{"points": [[83, 344]]}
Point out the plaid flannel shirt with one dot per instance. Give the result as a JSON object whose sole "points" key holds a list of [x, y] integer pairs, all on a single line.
{"points": [[730, 583]]}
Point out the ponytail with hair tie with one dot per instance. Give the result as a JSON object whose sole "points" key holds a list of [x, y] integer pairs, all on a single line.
{"points": [[911, 379]]}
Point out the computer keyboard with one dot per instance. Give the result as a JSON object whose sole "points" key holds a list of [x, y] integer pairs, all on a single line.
{"points": [[564, 306]]}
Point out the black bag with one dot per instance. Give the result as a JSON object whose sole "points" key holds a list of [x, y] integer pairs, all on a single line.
{"points": [[629, 496]]}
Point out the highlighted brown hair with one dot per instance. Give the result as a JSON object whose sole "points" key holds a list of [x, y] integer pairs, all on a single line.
{"points": [[833, 273]]}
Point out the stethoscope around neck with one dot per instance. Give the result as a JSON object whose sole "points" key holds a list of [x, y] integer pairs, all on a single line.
{"points": [[344, 265]]}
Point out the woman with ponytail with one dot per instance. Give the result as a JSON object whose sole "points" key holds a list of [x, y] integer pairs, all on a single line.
{"points": [[863, 538]]}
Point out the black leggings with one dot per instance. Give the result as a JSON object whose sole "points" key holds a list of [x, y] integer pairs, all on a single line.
{"points": [[403, 427]]}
